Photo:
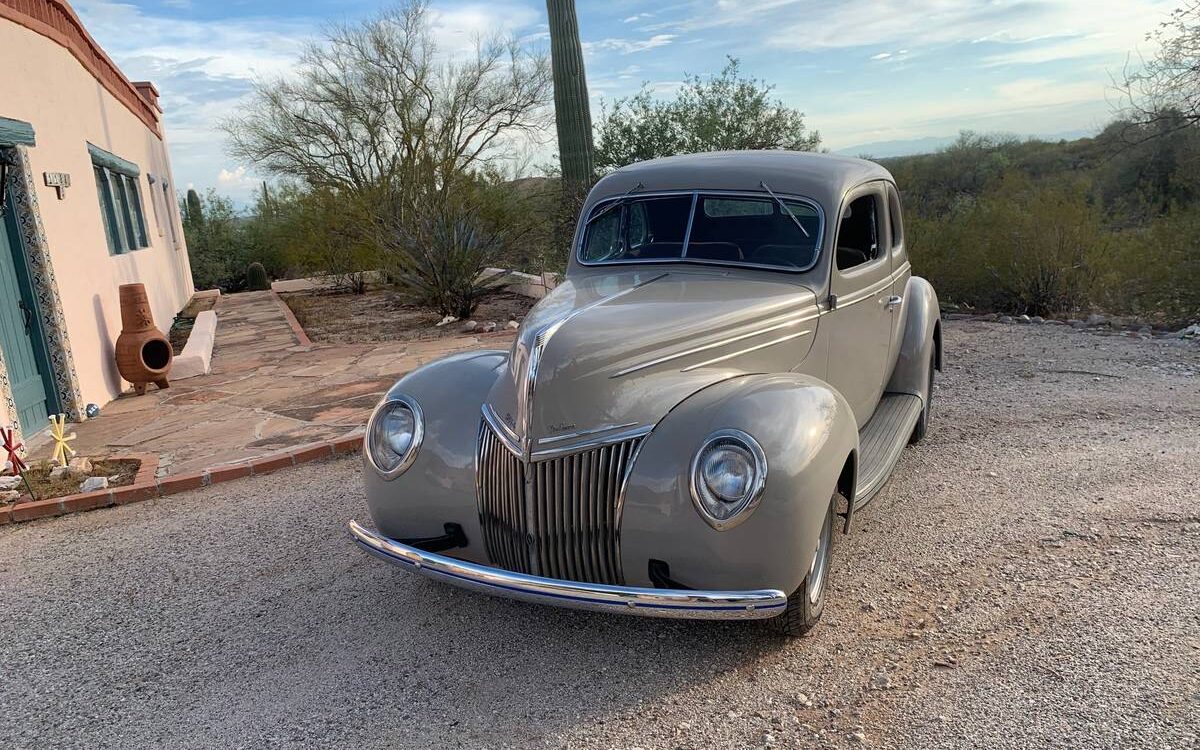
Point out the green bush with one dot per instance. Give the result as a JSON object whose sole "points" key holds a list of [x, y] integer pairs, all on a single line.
{"points": [[446, 250], [256, 278], [1021, 247]]}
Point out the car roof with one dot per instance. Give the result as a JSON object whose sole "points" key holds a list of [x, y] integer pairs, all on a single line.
{"points": [[824, 178]]}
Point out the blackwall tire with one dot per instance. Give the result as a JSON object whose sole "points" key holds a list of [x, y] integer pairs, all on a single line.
{"points": [[922, 425], [804, 605]]}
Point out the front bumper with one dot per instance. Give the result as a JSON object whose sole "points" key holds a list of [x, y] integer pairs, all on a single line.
{"points": [[674, 603]]}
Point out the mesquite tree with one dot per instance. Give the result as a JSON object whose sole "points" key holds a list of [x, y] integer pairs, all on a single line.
{"points": [[572, 112]]}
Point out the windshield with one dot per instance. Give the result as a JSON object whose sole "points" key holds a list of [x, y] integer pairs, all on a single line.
{"points": [[724, 229]]}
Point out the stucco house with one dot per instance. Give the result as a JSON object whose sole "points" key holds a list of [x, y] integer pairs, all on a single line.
{"points": [[89, 204]]}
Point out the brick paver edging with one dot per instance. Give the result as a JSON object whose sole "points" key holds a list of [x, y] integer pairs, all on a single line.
{"points": [[297, 329], [146, 487]]}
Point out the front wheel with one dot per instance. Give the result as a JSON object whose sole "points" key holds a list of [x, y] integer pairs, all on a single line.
{"points": [[807, 602]]}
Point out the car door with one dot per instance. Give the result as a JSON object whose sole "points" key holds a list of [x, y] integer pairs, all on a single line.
{"points": [[901, 271], [861, 318]]}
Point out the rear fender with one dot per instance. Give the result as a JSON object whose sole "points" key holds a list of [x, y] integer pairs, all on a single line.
{"points": [[919, 341]]}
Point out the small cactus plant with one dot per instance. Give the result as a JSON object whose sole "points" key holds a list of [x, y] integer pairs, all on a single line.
{"points": [[256, 278]]}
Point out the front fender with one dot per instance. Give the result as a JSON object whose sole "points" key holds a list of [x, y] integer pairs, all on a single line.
{"points": [[807, 431], [919, 340], [439, 487]]}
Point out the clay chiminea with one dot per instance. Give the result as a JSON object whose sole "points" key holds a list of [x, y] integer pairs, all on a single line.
{"points": [[143, 353]]}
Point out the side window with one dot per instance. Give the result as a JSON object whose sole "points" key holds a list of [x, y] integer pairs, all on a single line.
{"points": [[858, 232], [894, 217], [120, 202]]}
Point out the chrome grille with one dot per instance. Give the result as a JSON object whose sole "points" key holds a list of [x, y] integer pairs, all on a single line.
{"points": [[562, 522]]}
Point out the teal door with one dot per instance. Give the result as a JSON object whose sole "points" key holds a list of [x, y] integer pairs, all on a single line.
{"points": [[20, 332]]}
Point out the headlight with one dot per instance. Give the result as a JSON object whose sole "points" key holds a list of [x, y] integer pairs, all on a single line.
{"points": [[729, 473], [394, 435]]}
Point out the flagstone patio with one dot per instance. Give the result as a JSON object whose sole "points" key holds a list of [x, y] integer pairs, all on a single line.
{"points": [[267, 392]]}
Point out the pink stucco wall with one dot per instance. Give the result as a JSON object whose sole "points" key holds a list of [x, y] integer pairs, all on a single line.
{"points": [[45, 85]]}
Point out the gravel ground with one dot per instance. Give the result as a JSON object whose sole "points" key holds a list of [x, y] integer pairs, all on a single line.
{"points": [[1029, 577]]}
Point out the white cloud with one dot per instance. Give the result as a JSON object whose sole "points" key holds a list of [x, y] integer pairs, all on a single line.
{"points": [[881, 56], [628, 46], [1094, 27]]}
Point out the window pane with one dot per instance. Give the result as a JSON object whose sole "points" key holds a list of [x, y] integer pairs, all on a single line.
{"points": [[135, 203], [646, 229], [121, 207], [858, 235], [107, 214], [755, 231]]}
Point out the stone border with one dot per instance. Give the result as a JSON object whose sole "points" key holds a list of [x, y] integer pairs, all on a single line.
{"points": [[146, 487], [297, 329]]}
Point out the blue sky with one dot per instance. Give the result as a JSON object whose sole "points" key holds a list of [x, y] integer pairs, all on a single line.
{"points": [[863, 71]]}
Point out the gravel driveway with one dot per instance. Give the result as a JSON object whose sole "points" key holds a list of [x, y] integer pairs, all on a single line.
{"points": [[1029, 577]]}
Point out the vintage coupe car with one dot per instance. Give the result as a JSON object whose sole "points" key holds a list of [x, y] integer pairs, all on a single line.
{"points": [[737, 355]]}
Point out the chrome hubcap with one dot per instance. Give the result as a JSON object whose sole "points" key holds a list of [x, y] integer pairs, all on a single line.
{"points": [[816, 574]]}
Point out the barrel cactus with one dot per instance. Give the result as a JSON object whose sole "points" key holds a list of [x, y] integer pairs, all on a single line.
{"points": [[256, 277]]}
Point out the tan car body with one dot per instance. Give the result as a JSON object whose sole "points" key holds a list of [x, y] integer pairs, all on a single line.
{"points": [[660, 354]]}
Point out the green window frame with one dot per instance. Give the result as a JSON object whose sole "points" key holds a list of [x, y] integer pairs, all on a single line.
{"points": [[120, 202]]}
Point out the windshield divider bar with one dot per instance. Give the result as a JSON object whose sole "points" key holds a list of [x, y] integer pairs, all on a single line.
{"points": [[619, 201], [687, 233], [786, 210]]}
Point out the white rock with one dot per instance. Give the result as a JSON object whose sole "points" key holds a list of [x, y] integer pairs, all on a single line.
{"points": [[1095, 320], [512, 324], [446, 321], [1024, 319], [91, 484], [10, 483], [80, 464], [469, 326], [1037, 319], [487, 327], [58, 472]]}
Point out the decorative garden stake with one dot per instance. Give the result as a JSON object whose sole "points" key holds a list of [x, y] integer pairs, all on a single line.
{"points": [[62, 451], [12, 447]]}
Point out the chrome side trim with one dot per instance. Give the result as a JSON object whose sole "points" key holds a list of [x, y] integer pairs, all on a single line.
{"points": [[582, 433], [747, 350], [636, 431], [503, 431], [864, 294], [754, 604], [714, 345]]}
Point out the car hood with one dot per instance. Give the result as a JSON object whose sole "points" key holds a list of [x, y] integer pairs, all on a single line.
{"points": [[611, 354]]}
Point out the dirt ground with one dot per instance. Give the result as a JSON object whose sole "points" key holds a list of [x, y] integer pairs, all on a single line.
{"points": [[1028, 578], [382, 315]]}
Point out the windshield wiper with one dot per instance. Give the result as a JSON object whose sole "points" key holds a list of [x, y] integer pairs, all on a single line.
{"points": [[786, 210], [618, 202]]}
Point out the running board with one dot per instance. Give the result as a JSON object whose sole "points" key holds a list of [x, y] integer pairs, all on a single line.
{"points": [[880, 444]]}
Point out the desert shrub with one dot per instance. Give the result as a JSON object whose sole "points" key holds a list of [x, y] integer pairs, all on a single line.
{"points": [[256, 277], [1022, 247], [1153, 272], [446, 249]]}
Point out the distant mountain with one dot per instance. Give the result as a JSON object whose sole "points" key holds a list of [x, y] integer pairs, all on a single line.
{"points": [[932, 143]]}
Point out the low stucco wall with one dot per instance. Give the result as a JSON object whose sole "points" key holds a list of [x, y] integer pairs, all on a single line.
{"points": [[47, 87]]}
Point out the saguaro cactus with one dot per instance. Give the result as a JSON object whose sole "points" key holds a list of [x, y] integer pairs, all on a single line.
{"points": [[572, 113]]}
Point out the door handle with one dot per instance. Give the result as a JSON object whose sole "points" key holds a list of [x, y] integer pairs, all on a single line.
{"points": [[894, 301], [28, 316]]}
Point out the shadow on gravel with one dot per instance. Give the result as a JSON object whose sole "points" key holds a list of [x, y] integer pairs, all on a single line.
{"points": [[549, 669]]}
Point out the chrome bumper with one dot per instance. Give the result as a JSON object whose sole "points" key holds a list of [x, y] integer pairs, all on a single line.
{"points": [[675, 603]]}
